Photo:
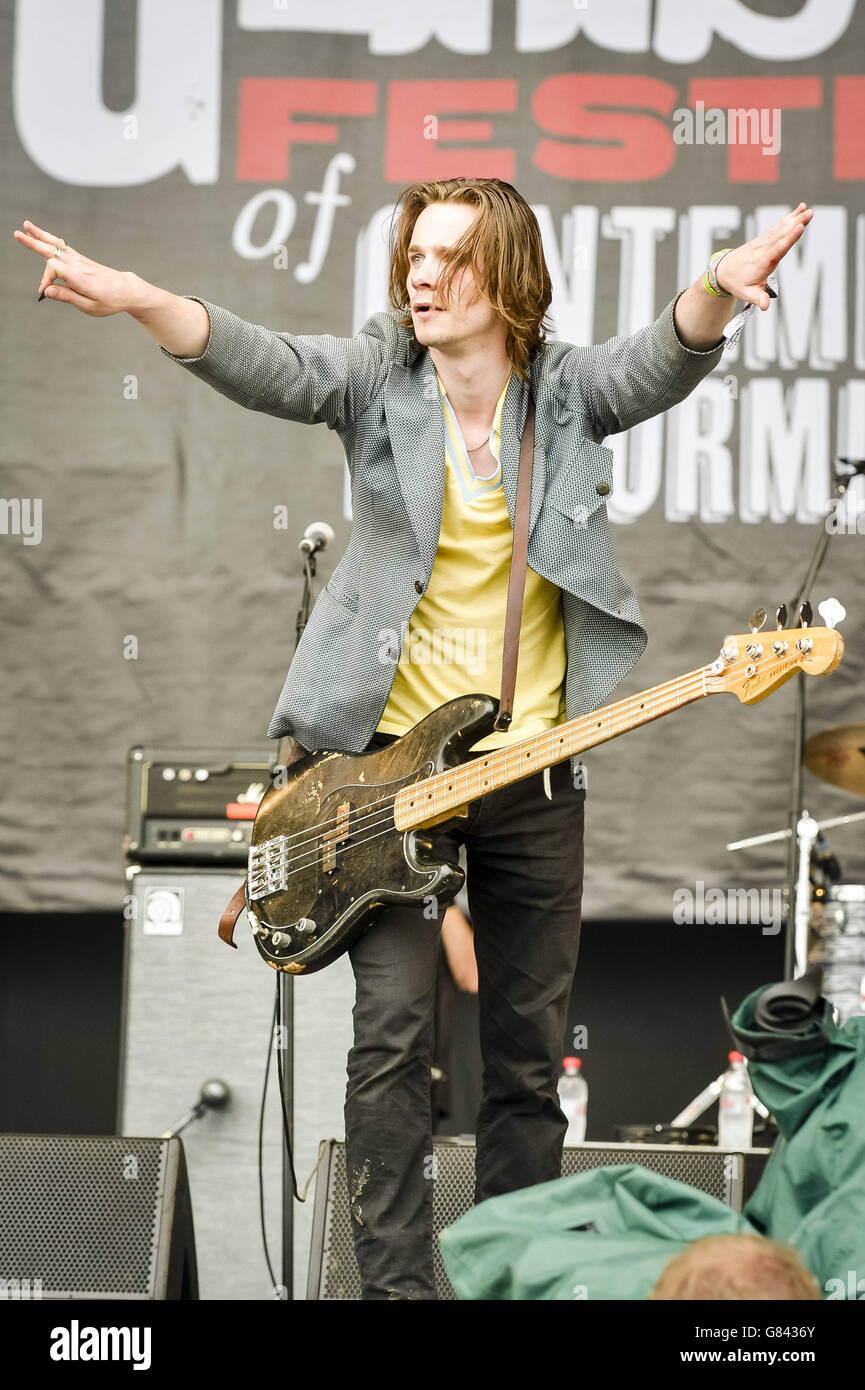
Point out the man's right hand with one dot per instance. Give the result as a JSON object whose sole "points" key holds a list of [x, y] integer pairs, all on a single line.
{"points": [[95, 289], [180, 325]]}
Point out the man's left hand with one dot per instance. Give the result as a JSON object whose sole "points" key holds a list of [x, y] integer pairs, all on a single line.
{"points": [[743, 271]]}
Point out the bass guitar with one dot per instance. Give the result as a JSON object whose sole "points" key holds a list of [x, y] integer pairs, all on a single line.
{"points": [[340, 837]]}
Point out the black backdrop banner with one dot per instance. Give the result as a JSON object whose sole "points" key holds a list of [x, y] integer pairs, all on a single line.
{"points": [[251, 153]]}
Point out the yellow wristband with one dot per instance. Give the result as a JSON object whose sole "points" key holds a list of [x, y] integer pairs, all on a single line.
{"points": [[710, 282]]}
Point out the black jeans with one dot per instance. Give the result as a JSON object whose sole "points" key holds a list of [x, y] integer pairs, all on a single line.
{"points": [[524, 859]]}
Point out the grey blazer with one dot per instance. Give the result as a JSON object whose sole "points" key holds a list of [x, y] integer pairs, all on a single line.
{"points": [[377, 391]]}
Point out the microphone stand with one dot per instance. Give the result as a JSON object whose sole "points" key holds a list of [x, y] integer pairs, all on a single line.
{"points": [[800, 827], [285, 992]]}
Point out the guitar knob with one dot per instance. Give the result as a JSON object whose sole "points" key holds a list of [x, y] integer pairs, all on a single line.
{"points": [[305, 927]]}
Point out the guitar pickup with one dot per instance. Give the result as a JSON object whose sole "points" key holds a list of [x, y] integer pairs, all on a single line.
{"points": [[333, 839]]}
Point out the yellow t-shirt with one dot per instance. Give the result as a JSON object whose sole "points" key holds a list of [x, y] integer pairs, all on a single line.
{"points": [[454, 641]]}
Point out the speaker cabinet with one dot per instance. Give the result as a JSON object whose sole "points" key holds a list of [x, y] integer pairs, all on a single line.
{"points": [[95, 1217], [333, 1271], [195, 1010]]}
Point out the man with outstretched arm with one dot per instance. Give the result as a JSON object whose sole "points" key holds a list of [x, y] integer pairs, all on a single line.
{"points": [[429, 401]]}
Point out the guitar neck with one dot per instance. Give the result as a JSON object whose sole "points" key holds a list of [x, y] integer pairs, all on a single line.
{"points": [[440, 796]]}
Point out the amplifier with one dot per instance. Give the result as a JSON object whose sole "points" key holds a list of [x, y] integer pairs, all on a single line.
{"points": [[195, 1010], [333, 1274], [193, 805]]}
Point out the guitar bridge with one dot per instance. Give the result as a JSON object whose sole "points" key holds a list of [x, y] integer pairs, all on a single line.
{"points": [[267, 868]]}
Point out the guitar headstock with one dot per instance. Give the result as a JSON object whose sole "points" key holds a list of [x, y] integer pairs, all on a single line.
{"points": [[753, 664]]}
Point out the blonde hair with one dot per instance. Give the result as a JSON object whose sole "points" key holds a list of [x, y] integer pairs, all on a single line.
{"points": [[503, 247], [749, 1267]]}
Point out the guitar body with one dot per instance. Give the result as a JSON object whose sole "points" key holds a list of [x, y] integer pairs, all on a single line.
{"points": [[326, 856]]}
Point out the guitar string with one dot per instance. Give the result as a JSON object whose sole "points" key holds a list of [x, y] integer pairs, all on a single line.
{"points": [[372, 813], [499, 756], [691, 681], [311, 855]]}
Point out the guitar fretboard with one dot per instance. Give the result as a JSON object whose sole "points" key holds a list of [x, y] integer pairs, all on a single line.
{"points": [[448, 791]]}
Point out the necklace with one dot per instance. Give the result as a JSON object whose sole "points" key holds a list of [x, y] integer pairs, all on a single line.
{"points": [[477, 446]]}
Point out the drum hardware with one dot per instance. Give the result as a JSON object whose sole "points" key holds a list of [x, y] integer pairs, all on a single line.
{"points": [[783, 834], [837, 944], [844, 472], [840, 953], [696, 1107]]}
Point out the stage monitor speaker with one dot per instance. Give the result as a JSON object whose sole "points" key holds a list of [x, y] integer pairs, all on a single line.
{"points": [[333, 1272], [85, 1216]]}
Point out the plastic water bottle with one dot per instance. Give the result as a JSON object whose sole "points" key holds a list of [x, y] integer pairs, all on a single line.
{"points": [[735, 1107], [573, 1094]]}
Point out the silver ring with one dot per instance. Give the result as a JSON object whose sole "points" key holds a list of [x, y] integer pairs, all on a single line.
{"points": [[58, 251]]}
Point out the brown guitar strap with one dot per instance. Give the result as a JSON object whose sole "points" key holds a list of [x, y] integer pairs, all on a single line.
{"points": [[517, 581], [230, 916]]}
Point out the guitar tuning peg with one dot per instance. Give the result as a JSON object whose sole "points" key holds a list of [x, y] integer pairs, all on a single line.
{"points": [[781, 615], [832, 612], [805, 614], [757, 619]]}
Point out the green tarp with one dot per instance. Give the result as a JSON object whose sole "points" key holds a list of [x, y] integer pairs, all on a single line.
{"points": [[530, 1245]]}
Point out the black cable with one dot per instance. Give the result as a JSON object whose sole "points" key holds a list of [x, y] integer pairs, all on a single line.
{"points": [[261, 1144], [286, 1133], [286, 1128]]}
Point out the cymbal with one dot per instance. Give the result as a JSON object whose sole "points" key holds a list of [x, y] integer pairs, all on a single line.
{"points": [[838, 756]]}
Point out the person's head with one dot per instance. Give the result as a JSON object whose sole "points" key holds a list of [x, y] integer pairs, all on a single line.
{"points": [[748, 1267], [472, 249]]}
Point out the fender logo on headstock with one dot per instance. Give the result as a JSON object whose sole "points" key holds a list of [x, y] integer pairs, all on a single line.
{"points": [[769, 675]]}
